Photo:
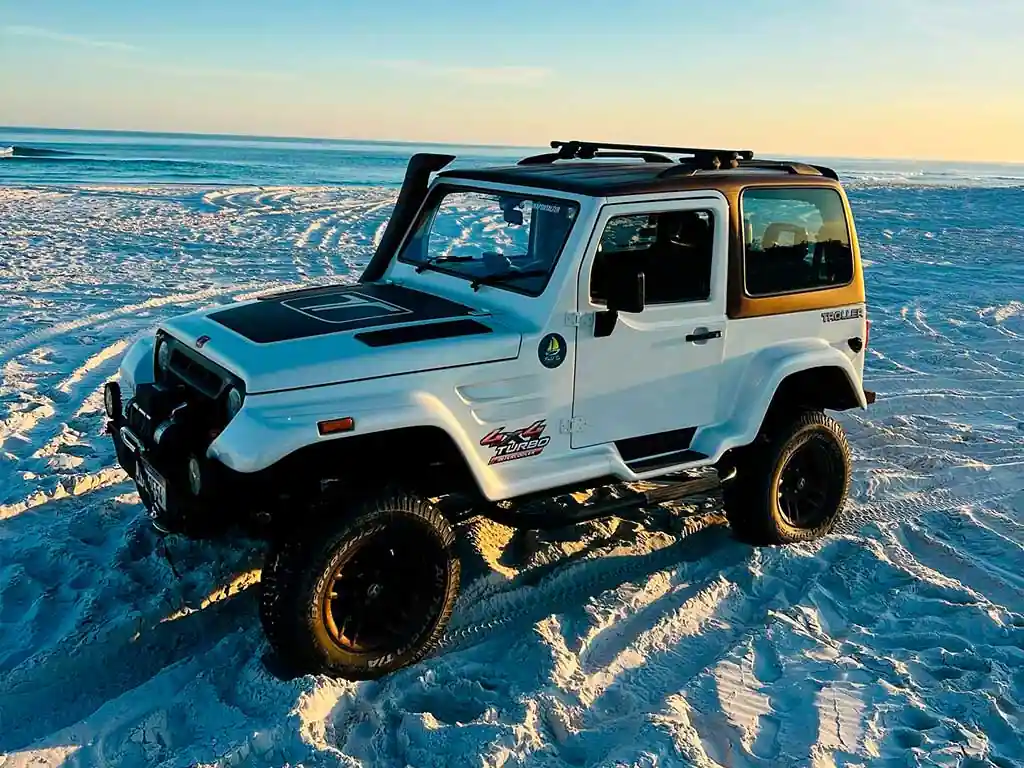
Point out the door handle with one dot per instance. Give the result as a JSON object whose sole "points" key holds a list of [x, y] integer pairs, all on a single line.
{"points": [[702, 335]]}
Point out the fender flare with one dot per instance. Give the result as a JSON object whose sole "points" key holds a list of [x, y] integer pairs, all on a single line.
{"points": [[271, 427], [761, 380]]}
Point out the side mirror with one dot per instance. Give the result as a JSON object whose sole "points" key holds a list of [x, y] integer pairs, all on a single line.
{"points": [[627, 291]]}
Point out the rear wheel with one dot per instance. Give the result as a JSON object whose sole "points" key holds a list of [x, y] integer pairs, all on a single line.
{"points": [[364, 595], [793, 486]]}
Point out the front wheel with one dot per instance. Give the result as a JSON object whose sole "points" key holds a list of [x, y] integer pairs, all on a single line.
{"points": [[364, 594], [793, 487]]}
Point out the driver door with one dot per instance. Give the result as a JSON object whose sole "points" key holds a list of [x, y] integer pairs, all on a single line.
{"points": [[653, 380]]}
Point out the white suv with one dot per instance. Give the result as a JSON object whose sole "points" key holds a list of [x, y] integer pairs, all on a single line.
{"points": [[601, 314]]}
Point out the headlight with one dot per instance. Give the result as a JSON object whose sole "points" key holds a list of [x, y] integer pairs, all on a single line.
{"points": [[233, 402], [163, 357]]}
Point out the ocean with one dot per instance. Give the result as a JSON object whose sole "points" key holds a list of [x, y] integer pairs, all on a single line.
{"points": [[57, 156], [661, 641], [47, 156]]}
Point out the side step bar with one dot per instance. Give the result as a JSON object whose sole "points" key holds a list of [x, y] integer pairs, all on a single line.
{"points": [[560, 511]]}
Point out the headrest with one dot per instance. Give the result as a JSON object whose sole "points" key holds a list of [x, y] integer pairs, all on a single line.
{"points": [[773, 235], [833, 230]]}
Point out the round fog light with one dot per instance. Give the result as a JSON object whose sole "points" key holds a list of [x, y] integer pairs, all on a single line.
{"points": [[112, 399], [195, 477]]}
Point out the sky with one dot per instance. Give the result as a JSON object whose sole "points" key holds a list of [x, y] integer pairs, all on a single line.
{"points": [[940, 79]]}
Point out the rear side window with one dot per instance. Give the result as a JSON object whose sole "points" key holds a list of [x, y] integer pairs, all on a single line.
{"points": [[794, 240]]}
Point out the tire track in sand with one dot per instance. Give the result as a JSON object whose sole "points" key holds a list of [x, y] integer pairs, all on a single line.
{"points": [[62, 458], [61, 329], [566, 580]]}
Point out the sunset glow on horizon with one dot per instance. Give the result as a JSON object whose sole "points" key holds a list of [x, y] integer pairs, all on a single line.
{"points": [[926, 79]]}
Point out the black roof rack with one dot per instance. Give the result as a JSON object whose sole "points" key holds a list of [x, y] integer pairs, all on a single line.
{"points": [[786, 166], [692, 160], [588, 150]]}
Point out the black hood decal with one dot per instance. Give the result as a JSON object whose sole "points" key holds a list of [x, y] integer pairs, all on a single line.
{"points": [[334, 309]]}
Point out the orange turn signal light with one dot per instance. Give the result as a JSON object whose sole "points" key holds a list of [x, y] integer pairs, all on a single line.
{"points": [[334, 426]]}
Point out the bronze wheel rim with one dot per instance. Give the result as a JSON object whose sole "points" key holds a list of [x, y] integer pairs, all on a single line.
{"points": [[383, 596], [810, 484]]}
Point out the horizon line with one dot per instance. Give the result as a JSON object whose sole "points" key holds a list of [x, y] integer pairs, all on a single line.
{"points": [[411, 142]]}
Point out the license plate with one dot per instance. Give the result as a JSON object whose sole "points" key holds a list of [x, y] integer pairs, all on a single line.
{"points": [[155, 485]]}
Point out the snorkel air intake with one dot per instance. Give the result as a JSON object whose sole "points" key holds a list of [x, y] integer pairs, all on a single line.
{"points": [[414, 190]]}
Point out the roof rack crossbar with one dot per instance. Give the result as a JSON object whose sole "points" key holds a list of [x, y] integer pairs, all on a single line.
{"points": [[587, 150], [647, 157], [693, 160], [578, 146], [550, 157], [795, 168]]}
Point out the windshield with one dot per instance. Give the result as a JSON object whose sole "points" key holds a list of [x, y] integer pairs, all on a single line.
{"points": [[492, 238]]}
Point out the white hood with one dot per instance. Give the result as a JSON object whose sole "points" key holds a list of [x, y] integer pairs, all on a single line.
{"points": [[343, 333]]}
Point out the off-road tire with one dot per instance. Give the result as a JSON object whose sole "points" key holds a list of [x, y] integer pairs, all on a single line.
{"points": [[752, 497], [298, 575]]}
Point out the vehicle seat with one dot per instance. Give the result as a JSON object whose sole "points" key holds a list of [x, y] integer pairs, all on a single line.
{"points": [[833, 257], [690, 255], [782, 263], [773, 234]]}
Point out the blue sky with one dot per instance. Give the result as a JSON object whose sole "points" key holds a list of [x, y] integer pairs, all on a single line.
{"points": [[898, 78]]}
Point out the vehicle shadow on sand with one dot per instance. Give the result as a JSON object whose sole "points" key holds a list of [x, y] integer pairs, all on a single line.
{"points": [[130, 637], [481, 665], [93, 608]]}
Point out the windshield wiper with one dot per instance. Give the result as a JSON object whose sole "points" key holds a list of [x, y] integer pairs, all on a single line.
{"points": [[505, 277], [429, 263]]}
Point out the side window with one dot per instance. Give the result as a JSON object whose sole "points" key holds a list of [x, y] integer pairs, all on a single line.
{"points": [[794, 240], [673, 249]]}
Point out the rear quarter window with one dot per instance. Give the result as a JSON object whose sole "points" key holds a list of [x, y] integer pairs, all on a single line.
{"points": [[794, 240]]}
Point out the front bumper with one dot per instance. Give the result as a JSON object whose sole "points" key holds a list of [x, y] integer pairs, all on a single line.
{"points": [[163, 484], [160, 466]]}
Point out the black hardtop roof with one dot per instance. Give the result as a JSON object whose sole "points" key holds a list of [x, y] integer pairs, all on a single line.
{"points": [[585, 168]]}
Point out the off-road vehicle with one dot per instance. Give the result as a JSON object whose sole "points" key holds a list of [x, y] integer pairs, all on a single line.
{"points": [[586, 319]]}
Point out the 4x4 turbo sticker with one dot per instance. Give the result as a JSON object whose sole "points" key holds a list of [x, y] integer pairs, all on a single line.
{"points": [[834, 316], [517, 444]]}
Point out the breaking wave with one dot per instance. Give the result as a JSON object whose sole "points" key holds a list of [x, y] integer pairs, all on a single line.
{"points": [[18, 151]]}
